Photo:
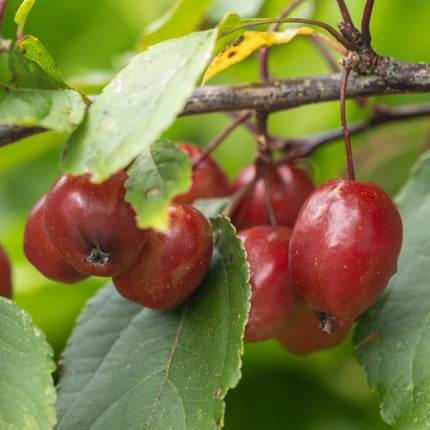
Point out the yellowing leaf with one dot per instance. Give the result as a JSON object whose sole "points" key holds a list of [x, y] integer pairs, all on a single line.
{"points": [[247, 43]]}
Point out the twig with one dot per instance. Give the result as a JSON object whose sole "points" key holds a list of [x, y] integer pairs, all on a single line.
{"points": [[304, 146]]}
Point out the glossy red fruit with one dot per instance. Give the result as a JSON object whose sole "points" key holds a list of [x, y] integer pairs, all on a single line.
{"points": [[304, 335], [172, 264], [5, 275], [289, 188], [273, 303], [40, 251], [344, 248], [208, 178], [91, 225]]}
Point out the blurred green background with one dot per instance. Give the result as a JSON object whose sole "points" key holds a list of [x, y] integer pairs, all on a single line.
{"points": [[91, 41]]}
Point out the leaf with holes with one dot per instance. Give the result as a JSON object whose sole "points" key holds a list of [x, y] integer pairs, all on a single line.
{"points": [[249, 42], [161, 172], [138, 105], [127, 366], [393, 337], [27, 393]]}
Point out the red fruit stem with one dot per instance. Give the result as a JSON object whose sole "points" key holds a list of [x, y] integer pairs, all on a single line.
{"points": [[345, 74], [345, 13], [264, 163], [365, 22], [270, 212], [263, 67], [237, 198], [212, 145]]}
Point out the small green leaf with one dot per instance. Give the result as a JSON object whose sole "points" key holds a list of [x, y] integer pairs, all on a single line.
{"points": [[138, 105], [393, 337], [59, 110], [127, 366], [161, 172], [32, 48], [182, 18], [27, 393], [19, 72], [23, 11]]}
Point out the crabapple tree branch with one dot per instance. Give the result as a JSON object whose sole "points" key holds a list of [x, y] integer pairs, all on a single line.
{"points": [[391, 77]]}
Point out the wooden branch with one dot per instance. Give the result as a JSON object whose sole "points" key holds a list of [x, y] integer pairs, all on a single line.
{"points": [[397, 77], [394, 77]]}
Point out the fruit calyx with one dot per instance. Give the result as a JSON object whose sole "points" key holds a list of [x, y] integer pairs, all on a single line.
{"points": [[97, 257], [328, 322]]}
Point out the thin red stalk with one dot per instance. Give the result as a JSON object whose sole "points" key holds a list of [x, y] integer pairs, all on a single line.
{"points": [[285, 12], [264, 56], [237, 198], [333, 44], [365, 22], [334, 65], [345, 13], [264, 63], [267, 197], [342, 40], [209, 148], [346, 136], [3, 4]]}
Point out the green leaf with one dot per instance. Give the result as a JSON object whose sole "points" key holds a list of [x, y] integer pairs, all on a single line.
{"points": [[32, 48], [138, 105], [17, 71], [161, 172], [27, 393], [393, 337], [59, 110], [127, 366], [182, 18], [23, 11]]}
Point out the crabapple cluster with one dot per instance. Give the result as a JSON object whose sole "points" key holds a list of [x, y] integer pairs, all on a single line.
{"points": [[80, 229], [325, 260], [325, 263]]}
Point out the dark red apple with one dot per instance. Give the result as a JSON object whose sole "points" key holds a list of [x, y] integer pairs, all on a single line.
{"points": [[304, 335], [40, 251], [92, 226], [289, 188], [171, 264], [273, 303], [208, 178], [5, 275], [344, 249]]}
